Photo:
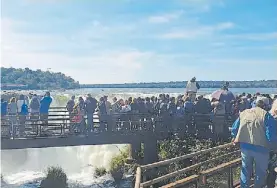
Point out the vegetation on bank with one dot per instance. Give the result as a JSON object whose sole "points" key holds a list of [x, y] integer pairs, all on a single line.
{"points": [[174, 147], [12, 78], [117, 164], [100, 171], [182, 84], [55, 177]]}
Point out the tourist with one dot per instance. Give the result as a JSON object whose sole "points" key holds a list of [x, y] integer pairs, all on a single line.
{"points": [[90, 106], [108, 105], [188, 105], [255, 131], [4, 108], [102, 113], [218, 107], [149, 113], [203, 105], [125, 106], [258, 94], [76, 119], [102, 106], [249, 101], [243, 104], [219, 128], [273, 110], [135, 116], [12, 111], [179, 116], [125, 114], [115, 114], [192, 88], [34, 111], [149, 106], [271, 178], [81, 114], [115, 106], [70, 105], [45, 103], [22, 110]]}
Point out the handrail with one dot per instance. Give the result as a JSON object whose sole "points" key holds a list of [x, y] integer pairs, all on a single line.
{"points": [[138, 178], [176, 159], [184, 170], [205, 174]]}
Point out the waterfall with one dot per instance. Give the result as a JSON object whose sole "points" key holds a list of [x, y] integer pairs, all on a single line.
{"points": [[29, 165]]}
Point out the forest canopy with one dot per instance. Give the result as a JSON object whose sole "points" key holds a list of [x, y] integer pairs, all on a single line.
{"points": [[35, 79]]}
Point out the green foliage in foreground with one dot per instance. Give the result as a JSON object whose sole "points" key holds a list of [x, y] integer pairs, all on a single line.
{"points": [[37, 79], [119, 160], [100, 171], [117, 164], [55, 177]]}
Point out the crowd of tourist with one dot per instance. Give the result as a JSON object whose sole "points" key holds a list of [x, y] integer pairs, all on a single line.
{"points": [[82, 110], [254, 128], [16, 111]]}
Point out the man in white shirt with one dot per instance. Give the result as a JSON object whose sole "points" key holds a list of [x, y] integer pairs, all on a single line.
{"points": [[192, 88]]}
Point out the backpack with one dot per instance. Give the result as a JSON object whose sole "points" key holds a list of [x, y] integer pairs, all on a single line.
{"points": [[34, 104], [24, 109]]}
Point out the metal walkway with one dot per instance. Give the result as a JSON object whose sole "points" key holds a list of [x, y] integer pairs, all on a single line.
{"points": [[110, 129]]}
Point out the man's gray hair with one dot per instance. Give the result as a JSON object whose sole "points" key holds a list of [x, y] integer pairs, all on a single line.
{"points": [[260, 103]]}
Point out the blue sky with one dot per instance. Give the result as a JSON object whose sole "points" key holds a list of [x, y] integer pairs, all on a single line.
{"points": [[116, 41]]}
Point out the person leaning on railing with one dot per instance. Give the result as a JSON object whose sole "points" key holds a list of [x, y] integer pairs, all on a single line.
{"points": [[255, 131], [22, 110], [272, 175]]}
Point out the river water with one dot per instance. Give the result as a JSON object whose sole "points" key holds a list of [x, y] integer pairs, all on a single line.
{"points": [[25, 168]]}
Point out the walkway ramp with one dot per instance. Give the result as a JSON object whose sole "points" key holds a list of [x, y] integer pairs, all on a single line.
{"points": [[213, 167]]}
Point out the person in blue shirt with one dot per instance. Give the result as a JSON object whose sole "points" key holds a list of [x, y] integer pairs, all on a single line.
{"points": [[4, 107], [44, 107], [255, 131], [188, 105]]}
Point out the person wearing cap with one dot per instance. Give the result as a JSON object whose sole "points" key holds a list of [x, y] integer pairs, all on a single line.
{"points": [[192, 88], [255, 131]]}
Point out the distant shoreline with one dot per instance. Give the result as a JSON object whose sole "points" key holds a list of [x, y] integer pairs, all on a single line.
{"points": [[178, 84], [106, 87]]}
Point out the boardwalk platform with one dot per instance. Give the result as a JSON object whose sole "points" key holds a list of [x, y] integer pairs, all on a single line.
{"points": [[128, 128]]}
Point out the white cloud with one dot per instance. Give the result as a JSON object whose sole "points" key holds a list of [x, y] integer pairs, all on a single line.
{"points": [[255, 36], [198, 30], [201, 5], [165, 17], [101, 66], [224, 26]]}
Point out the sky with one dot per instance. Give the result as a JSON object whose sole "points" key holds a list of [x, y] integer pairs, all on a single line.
{"points": [[123, 41]]}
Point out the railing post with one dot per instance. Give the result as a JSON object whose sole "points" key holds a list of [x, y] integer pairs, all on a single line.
{"points": [[138, 178], [229, 172], [204, 180], [196, 184]]}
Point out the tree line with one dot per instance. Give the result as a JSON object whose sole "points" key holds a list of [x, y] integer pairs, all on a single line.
{"points": [[182, 84], [35, 79], [12, 78]]}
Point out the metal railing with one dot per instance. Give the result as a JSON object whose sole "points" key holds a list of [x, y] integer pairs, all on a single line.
{"points": [[59, 119], [194, 178]]}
